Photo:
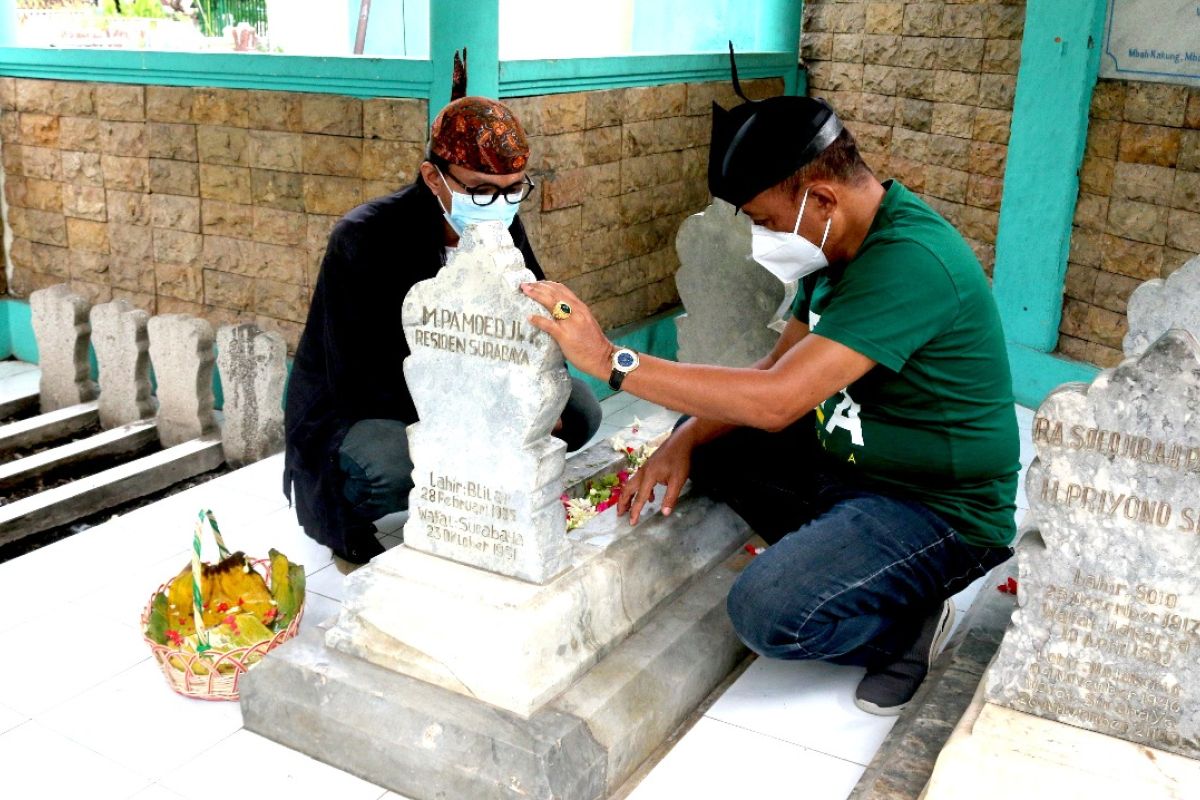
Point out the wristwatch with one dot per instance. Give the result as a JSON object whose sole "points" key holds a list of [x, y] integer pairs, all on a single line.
{"points": [[624, 361]]}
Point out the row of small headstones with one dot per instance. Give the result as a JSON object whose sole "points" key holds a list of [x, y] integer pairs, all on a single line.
{"points": [[127, 341]]}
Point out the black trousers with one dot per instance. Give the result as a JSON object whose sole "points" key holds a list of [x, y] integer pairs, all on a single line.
{"points": [[377, 470]]}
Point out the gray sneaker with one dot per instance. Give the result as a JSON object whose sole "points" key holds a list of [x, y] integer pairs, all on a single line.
{"points": [[885, 691]]}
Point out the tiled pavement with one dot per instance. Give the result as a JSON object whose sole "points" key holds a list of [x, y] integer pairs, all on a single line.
{"points": [[84, 713]]}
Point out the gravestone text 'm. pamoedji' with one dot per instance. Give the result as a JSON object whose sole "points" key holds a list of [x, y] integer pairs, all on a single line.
{"points": [[488, 387]]}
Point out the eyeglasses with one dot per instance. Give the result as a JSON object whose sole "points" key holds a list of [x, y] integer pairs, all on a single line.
{"points": [[484, 194]]}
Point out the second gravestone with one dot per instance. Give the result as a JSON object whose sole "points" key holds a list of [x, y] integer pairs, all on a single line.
{"points": [[1107, 636], [488, 387]]}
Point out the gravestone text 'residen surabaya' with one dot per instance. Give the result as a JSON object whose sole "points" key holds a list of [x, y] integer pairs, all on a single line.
{"points": [[1107, 633], [488, 388]]}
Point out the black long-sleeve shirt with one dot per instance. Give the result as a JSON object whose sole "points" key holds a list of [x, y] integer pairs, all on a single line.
{"points": [[348, 363]]}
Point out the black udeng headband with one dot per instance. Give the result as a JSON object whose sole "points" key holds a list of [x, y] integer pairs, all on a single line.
{"points": [[825, 136]]}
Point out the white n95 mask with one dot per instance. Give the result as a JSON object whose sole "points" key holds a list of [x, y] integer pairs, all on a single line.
{"points": [[788, 256]]}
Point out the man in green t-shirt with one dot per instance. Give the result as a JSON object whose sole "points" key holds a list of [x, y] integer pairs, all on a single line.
{"points": [[876, 446]]}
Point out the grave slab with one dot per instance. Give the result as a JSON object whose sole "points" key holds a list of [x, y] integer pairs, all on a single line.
{"points": [[123, 354], [514, 644], [181, 350], [1106, 636], [491, 654], [253, 365], [997, 753], [735, 308], [62, 330], [425, 742]]}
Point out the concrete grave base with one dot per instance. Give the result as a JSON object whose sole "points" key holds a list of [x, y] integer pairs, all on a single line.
{"points": [[997, 753], [515, 644], [426, 742]]}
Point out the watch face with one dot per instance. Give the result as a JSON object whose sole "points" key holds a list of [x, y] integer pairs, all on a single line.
{"points": [[625, 359]]}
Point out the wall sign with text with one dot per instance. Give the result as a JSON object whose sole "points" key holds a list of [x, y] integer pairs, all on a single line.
{"points": [[1152, 40]]}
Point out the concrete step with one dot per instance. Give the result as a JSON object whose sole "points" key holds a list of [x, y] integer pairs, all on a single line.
{"points": [[120, 484], [47, 427], [12, 405], [126, 439]]}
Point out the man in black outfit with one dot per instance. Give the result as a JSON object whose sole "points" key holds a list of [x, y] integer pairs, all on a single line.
{"points": [[348, 407]]}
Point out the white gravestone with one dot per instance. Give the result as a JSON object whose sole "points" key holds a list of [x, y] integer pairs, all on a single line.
{"points": [[123, 354], [735, 308], [181, 350], [1107, 633], [253, 365], [488, 388], [62, 329], [1159, 305]]}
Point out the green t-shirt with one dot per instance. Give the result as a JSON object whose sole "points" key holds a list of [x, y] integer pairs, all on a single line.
{"points": [[934, 421]]}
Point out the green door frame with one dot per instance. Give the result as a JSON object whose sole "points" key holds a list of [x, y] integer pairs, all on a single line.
{"points": [[1060, 61]]}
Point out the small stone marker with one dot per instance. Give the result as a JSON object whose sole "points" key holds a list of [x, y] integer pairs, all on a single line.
{"points": [[735, 308], [253, 365], [181, 349], [488, 388], [62, 329], [1159, 305], [123, 353], [1107, 633]]}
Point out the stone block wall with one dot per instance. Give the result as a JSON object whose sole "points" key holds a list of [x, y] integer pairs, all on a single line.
{"points": [[219, 202], [210, 202], [927, 88], [618, 171], [1138, 215]]}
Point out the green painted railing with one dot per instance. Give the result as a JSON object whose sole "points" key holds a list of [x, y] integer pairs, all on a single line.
{"points": [[555, 76], [354, 76]]}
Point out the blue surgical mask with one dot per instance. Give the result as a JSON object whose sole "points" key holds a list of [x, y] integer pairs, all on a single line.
{"points": [[464, 211]]}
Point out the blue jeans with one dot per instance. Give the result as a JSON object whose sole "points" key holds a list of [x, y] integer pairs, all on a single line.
{"points": [[852, 573]]}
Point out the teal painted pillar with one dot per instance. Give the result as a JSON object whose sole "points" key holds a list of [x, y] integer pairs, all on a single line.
{"points": [[793, 82], [8, 23], [453, 25], [1060, 58]]}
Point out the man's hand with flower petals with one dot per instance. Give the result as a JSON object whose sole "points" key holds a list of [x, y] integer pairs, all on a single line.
{"points": [[670, 466]]}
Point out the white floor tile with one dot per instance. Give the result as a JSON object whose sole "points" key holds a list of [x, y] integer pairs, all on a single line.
{"points": [[392, 523], [329, 582], [616, 402], [21, 383], [808, 703], [65, 653], [10, 719], [281, 531], [263, 479], [10, 367], [42, 765], [135, 720], [125, 597], [1025, 417], [716, 760], [318, 609], [156, 792], [273, 771]]}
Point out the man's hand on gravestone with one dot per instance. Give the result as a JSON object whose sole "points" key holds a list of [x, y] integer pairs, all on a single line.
{"points": [[579, 335], [670, 466]]}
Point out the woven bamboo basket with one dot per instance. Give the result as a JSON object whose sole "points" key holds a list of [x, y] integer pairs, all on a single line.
{"points": [[213, 675]]}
